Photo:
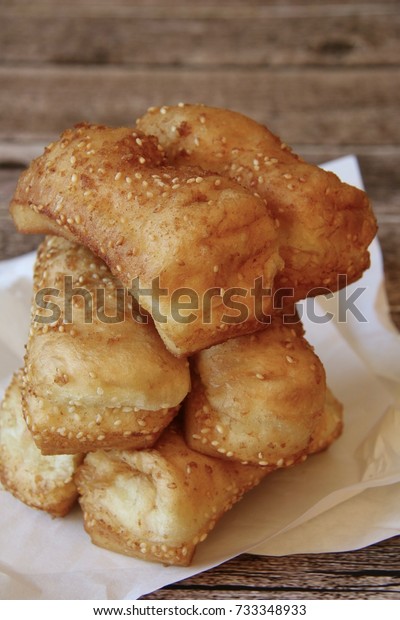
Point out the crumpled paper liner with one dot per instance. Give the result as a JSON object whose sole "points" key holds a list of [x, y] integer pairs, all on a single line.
{"points": [[343, 499]]}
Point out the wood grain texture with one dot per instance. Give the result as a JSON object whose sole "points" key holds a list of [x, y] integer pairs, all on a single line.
{"points": [[324, 74], [314, 36], [353, 106], [371, 573]]}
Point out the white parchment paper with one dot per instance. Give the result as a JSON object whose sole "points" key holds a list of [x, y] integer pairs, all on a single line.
{"points": [[345, 498]]}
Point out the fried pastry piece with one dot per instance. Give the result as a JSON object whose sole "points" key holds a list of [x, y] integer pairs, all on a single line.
{"points": [[325, 225], [43, 482], [257, 398], [95, 377], [158, 504], [176, 233]]}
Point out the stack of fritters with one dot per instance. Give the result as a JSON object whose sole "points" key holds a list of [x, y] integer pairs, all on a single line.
{"points": [[166, 251]]}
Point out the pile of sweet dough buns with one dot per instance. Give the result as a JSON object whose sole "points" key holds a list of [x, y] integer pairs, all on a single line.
{"points": [[158, 290]]}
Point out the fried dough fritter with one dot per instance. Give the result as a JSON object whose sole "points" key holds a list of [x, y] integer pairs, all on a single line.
{"points": [[258, 398], [184, 228], [325, 225], [158, 504], [91, 382], [42, 482]]}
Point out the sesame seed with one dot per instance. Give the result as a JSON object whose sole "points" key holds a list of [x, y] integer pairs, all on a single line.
{"points": [[195, 436], [92, 375], [217, 182], [215, 443], [119, 268], [138, 142], [199, 179], [138, 175], [73, 160], [215, 268], [181, 104], [260, 376], [100, 391], [142, 160], [229, 453], [219, 429], [290, 359], [280, 462], [128, 180], [287, 176], [100, 437], [290, 186], [163, 110], [118, 176], [74, 178]]}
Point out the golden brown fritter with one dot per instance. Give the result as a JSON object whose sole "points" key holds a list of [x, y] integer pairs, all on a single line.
{"points": [[90, 383], [43, 482], [158, 504], [257, 398], [190, 229], [325, 226]]}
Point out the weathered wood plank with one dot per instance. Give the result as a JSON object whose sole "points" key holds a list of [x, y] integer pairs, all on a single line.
{"points": [[313, 38], [177, 8], [371, 573], [351, 106]]}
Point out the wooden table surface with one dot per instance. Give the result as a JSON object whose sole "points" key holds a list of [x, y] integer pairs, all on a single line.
{"points": [[324, 75]]}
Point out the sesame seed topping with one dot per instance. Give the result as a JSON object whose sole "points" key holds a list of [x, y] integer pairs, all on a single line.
{"points": [[128, 180], [142, 160], [138, 142], [73, 160], [118, 176], [199, 179], [215, 268], [74, 178], [260, 376], [290, 359]]}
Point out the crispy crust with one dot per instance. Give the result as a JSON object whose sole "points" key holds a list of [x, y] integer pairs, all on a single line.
{"points": [[42, 482], [256, 399], [110, 190], [330, 425], [325, 225], [159, 504], [103, 384]]}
